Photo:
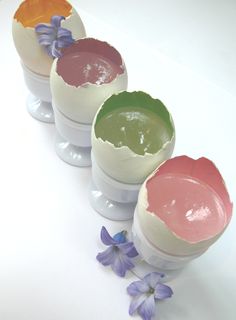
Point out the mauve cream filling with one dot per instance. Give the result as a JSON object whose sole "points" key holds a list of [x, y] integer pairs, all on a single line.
{"points": [[190, 207], [89, 61]]}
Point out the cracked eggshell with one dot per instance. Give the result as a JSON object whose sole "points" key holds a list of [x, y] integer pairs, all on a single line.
{"points": [[122, 163], [81, 103], [32, 53], [156, 230]]}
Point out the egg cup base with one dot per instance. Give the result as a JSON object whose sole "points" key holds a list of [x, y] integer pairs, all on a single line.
{"points": [[108, 208], [142, 268], [72, 154], [40, 110], [155, 258]]}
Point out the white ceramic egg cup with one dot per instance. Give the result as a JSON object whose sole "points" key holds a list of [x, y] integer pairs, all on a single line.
{"points": [[39, 100], [73, 140], [110, 198], [152, 259]]}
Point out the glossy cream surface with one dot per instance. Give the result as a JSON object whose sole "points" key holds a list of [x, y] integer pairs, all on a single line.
{"points": [[142, 130], [132, 135], [32, 12], [86, 75], [78, 68], [184, 206], [190, 208]]}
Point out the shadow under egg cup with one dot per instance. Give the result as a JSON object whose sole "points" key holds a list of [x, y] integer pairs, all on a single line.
{"points": [[183, 208], [39, 100], [73, 140], [112, 199]]}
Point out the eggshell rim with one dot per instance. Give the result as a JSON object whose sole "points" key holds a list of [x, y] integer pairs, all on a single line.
{"points": [[33, 28], [89, 84], [164, 223], [146, 154]]}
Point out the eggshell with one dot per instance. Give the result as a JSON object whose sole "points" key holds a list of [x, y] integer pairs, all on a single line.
{"points": [[123, 164], [159, 234], [31, 53], [81, 103]]}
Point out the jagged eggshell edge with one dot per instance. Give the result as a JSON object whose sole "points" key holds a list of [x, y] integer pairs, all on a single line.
{"points": [[31, 53], [81, 103]]}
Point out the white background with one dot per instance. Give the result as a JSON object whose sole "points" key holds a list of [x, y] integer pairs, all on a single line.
{"points": [[182, 52]]}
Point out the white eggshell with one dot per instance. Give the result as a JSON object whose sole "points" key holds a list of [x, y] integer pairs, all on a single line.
{"points": [[123, 164], [81, 103], [31, 53], [160, 235], [75, 25]]}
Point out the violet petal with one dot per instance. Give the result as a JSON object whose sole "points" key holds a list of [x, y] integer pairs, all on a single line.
{"points": [[107, 257], [45, 40], [49, 50], [128, 249], [132, 253], [64, 42], [121, 265], [153, 278], [56, 21], [106, 238], [118, 267], [147, 308], [162, 291], [55, 52], [125, 247], [45, 29], [137, 287], [136, 303], [127, 262], [62, 32]]}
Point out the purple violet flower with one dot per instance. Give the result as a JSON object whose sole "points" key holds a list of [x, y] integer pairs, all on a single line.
{"points": [[146, 293], [53, 37], [119, 253]]}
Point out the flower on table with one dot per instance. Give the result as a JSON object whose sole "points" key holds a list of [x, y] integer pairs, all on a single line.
{"points": [[119, 253], [146, 293], [53, 37]]}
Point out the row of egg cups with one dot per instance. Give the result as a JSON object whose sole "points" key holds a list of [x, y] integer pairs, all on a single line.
{"points": [[118, 173], [116, 184], [74, 110]]}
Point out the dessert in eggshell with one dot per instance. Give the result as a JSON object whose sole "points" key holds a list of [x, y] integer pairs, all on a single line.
{"points": [[41, 28], [132, 134], [184, 206], [88, 72]]}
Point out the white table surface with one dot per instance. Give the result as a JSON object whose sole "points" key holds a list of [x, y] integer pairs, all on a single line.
{"points": [[49, 234]]}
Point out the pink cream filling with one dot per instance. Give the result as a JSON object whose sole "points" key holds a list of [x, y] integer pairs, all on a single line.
{"points": [[189, 196], [89, 61]]}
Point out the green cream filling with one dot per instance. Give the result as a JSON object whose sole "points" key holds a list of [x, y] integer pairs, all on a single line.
{"points": [[135, 120]]}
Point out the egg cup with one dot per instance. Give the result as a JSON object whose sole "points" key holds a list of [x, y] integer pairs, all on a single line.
{"points": [[152, 259], [39, 100], [79, 85], [77, 152], [169, 245], [118, 172], [112, 199], [40, 30]]}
